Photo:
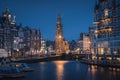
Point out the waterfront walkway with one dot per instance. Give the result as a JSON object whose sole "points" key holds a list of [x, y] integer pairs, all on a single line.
{"points": [[104, 63]]}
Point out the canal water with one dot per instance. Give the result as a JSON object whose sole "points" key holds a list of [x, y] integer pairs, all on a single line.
{"points": [[69, 70]]}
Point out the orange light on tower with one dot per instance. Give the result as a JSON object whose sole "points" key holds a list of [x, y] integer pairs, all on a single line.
{"points": [[60, 37]]}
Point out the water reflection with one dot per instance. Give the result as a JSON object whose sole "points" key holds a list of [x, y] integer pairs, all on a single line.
{"points": [[93, 69], [114, 69], [42, 69], [60, 69], [92, 72], [69, 70]]}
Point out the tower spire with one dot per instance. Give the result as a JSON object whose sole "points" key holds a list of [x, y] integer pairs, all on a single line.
{"points": [[7, 14], [59, 18], [6, 9], [58, 14], [61, 45]]}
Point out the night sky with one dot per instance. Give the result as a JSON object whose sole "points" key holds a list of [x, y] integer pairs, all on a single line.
{"points": [[77, 15]]}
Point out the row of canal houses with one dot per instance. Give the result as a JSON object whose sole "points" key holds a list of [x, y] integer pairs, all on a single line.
{"points": [[16, 40]]}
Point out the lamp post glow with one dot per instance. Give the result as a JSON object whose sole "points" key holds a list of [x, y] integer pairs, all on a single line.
{"points": [[17, 49], [18, 52]]}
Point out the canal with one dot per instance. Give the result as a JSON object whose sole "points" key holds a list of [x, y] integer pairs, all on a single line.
{"points": [[69, 70]]}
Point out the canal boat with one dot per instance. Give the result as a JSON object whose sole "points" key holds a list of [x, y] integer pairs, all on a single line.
{"points": [[22, 66], [10, 72]]}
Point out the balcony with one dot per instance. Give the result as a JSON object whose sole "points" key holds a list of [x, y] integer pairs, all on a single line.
{"points": [[103, 20], [104, 30]]}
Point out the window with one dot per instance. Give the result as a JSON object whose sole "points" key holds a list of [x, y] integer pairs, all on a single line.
{"points": [[37, 38], [106, 12]]}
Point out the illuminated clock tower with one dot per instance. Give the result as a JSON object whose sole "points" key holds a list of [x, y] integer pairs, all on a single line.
{"points": [[61, 46]]}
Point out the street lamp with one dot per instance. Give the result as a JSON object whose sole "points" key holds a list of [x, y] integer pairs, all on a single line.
{"points": [[17, 49]]}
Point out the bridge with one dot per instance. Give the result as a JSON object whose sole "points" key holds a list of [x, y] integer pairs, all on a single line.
{"points": [[50, 58]]}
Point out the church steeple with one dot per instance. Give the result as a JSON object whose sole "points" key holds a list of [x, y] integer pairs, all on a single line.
{"points": [[61, 46], [59, 19], [59, 31], [7, 9], [7, 14]]}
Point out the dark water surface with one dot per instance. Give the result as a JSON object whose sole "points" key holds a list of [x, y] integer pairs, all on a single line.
{"points": [[69, 70]]}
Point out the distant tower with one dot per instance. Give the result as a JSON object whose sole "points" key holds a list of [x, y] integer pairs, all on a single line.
{"points": [[8, 31], [59, 36], [59, 31], [7, 15], [61, 45]]}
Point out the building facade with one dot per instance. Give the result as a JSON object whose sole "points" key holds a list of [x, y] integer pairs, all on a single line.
{"points": [[35, 41], [107, 27], [84, 44], [92, 39], [43, 49], [73, 45], [7, 31], [61, 45], [50, 46], [17, 40], [19, 43]]}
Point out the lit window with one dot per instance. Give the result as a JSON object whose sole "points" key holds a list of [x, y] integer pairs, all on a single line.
{"points": [[106, 12]]}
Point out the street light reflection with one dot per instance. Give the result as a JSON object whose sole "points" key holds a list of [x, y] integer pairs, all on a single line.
{"points": [[94, 69], [60, 69]]}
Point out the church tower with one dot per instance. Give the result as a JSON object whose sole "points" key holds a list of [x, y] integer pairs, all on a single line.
{"points": [[59, 36], [59, 31], [60, 44]]}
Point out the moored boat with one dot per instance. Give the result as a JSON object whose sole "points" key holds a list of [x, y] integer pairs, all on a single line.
{"points": [[11, 72], [22, 66]]}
